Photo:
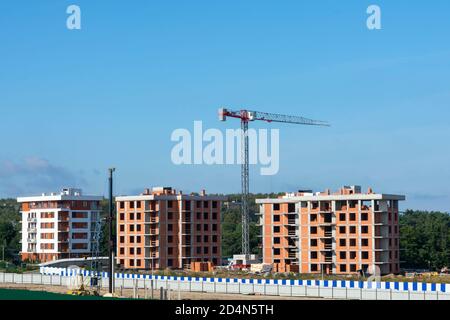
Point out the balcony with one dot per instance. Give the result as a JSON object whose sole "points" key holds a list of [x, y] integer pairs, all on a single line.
{"points": [[152, 220], [151, 231], [293, 255], [31, 240], [32, 230], [327, 247], [34, 219], [151, 255], [152, 243]]}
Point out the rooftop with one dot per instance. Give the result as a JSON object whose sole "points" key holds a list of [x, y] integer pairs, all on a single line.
{"points": [[64, 194], [168, 193], [345, 193]]}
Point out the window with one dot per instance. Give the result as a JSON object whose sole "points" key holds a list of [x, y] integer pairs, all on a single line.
{"points": [[122, 228], [342, 217], [199, 215], [131, 250], [122, 205], [342, 229], [170, 250], [343, 255], [131, 216], [353, 268], [214, 215], [169, 204], [276, 251], [131, 204], [364, 229], [352, 242], [138, 204], [276, 229], [352, 254], [343, 268], [365, 255], [122, 261], [205, 204], [276, 240], [352, 217], [198, 250], [169, 239], [198, 204], [313, 217], [352, 229], [198, 227], [314, 268], [138, 251], [365, 242], [170, 262], [131, 263], [313, 230], [313, 254], [138, 262], [205, 215], [138, 239], [364, 216], [122, 216], [122, 239], [199, 238], [214, 249], [205, 227], [205, 250], [205, 238], [131, 239], [291, 207], [131, 228], [276, 207], [138, 227], [214, 227], [214, 238], [342, 242], [170, 227], [276, 218], [122, 251], [214, 204], [313, 242], [169, 215]]}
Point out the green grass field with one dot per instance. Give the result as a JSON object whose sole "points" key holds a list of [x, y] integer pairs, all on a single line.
{"points": [[12, 294]]}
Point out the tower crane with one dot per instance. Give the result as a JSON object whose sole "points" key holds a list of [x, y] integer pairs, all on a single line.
{"points": [[247, 116]]}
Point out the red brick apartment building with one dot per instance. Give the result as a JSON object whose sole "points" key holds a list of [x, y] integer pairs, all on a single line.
{"points": [[58, 225], [334, 233], [163, 229]]}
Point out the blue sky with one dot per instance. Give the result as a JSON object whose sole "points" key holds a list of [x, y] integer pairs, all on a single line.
{"points": [[74, 103]]}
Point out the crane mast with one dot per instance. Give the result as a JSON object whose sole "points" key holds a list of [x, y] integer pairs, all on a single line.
{"points": [[246, 116]]}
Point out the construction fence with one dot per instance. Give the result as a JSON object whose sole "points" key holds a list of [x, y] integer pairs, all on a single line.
{"points": [[332, 289]]}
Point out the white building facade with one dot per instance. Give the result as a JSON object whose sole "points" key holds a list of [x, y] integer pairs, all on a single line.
{"points": [[58, 225]]}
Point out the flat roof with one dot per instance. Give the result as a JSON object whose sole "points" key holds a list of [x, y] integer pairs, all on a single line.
{"points": [[59, 197], [170, 197], [375, 196]]}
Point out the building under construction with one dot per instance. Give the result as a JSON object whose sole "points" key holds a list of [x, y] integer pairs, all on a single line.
{"points": [[332, 233], [161, 228]]}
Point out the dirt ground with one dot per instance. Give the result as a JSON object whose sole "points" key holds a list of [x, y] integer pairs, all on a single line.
{"points": [[128, 293]]}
